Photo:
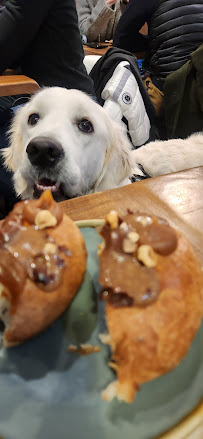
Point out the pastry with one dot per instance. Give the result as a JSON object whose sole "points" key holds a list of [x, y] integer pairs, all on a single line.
{"points": [[152, 283], [42, 264]]}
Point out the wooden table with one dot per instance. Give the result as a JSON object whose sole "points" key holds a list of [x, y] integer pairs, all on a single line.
{"points": [[176, 197], [91, 51], [12, 84]]}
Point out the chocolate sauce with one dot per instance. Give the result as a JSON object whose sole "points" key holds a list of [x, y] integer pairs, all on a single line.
{"points": [[45, 202], [125, 280], [23, 249], [153, 231]]}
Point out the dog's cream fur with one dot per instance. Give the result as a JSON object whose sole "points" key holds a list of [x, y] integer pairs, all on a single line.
{"points": [[165, 157], [100, 160], [96, 161]]}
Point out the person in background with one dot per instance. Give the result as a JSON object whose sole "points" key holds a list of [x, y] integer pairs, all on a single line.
{"points": [[42, 40], [175, 31], [98, 18]]}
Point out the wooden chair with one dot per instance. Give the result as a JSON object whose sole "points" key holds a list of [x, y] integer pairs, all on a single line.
{"points": [[11, 84]]}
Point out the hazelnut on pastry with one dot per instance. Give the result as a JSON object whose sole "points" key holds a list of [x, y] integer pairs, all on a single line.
{"points": [[42, 264], [152, 284]]}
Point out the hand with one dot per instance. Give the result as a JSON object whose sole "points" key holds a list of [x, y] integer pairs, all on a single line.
{"points": [[111, 2]]}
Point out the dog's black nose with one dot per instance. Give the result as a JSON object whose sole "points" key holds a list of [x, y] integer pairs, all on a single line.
{"points": [[43, 151]]}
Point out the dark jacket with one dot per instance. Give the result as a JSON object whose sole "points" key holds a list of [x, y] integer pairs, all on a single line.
{"points": [[183, 91], [42, 38], [135, 15], [175, 30]]}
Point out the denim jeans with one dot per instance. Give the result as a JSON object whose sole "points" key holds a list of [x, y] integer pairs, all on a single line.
{"points": [[7, 102]]}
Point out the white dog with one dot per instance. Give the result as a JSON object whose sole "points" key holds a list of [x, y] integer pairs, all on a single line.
{"points": [[62, 140]]}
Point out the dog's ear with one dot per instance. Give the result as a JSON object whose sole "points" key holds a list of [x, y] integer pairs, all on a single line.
{"points": [[118, 164], [20, 184], [13, 154]]}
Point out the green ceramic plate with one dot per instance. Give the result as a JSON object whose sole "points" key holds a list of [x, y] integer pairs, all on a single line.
{"points": [[48, 393]]}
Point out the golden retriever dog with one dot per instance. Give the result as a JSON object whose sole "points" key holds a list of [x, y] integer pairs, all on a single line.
{"points": [[63, 140]]}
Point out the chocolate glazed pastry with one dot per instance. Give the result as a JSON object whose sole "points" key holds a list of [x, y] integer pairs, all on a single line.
{"points": [[42, 264], [152, 283]]}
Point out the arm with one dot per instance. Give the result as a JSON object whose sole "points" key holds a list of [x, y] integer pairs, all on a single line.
{"points": [[19, 23], [93, 19], [136, 14]]}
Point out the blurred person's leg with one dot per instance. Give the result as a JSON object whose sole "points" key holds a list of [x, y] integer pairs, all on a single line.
{"points": [[7, 193], [6, 103], [56, 54]]}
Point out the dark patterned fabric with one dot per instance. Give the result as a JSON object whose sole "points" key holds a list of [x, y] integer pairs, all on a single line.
{"points": [[175, 31], [43, 39]]}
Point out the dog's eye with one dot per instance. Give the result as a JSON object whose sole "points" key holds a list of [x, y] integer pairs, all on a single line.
{"points": [[33, 119], [86, 126]]}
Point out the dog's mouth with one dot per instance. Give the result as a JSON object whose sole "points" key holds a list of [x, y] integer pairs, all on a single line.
{"points": [[46, 183], [54, 187]]}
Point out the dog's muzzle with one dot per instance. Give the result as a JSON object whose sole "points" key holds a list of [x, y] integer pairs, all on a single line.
{"points": [[44, 152]]}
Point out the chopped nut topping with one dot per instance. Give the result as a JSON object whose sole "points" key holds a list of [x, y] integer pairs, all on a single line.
{"points": [[128, 246], [84, 349], [105, 338], [110, 392], [147, 256], [50, 248], [133, 236], [124, 226], [113, 365], [101, 247], [44, 218], [72, 348], [112, 218], [144, 220]]}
